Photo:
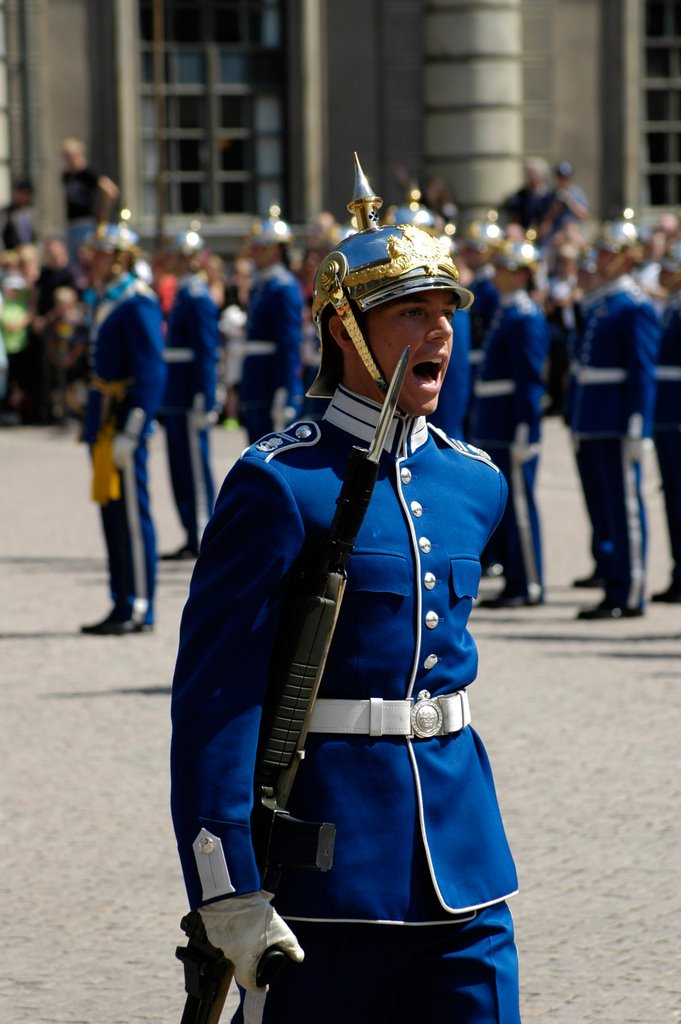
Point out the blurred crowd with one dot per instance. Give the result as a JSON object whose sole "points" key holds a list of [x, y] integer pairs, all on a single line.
{"points": [[552, 288]]}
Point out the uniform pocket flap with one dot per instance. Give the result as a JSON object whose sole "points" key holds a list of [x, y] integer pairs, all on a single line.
{"points": [[465, 576], [379, 572]]}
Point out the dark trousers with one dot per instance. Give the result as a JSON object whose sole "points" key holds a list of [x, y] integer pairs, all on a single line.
{"points": [[396, 974], [190, 474], [668, 446], [131, 543], [612, 490]]}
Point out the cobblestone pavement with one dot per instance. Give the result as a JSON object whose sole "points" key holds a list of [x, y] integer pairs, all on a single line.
{"points": [[582, 721]]}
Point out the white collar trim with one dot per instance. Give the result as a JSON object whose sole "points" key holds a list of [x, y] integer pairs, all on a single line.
{"points": [[358, 416]]}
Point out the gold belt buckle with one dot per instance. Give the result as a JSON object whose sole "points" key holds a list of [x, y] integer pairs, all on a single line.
{"points": [[426, 716]]}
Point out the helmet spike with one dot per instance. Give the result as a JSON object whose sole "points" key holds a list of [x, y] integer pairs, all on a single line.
{"points": [[364, 204]]}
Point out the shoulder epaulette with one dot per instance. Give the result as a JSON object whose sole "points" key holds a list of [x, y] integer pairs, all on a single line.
{"points": [[463, 448], [298, 435]]}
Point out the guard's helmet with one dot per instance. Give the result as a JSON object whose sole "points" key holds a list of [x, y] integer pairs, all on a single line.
{"points": [[482, 235], [114, 237], [270, 230], [415, 213], [517, 254], [190, 241], [619, 234], [371, 267]]}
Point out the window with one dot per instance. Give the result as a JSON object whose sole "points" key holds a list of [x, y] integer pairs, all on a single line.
{"points": [[661, 127], [222, 101]]}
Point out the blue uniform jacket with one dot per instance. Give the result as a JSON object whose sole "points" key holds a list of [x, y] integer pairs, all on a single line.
{"points": [[127, 345], [615, 376], [192, 345], [510, 385], [419, 832], [668, 373], [274, 335]]}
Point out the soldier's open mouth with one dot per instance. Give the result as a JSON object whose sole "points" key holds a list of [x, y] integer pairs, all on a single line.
{"points": [[427, 371]]}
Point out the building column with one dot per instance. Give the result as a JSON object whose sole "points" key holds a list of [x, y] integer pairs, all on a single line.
{"points": [[473, 92]]}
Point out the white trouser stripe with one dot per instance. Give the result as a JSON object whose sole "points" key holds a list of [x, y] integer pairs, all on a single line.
{"points": [[201, 510], [522, 516], [139, 566], [634, 530]]}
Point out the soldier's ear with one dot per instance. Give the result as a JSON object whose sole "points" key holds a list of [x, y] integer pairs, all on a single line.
{"points": [[339, 333]]}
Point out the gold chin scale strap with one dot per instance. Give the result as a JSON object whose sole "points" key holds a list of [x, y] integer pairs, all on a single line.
{"points": [[331, 271]]}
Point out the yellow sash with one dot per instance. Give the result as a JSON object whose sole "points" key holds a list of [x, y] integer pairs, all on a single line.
{"points": [[106, 480]]}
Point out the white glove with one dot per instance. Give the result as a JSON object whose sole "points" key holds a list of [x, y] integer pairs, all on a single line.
{"points": [[281, 412], [125, 442], [243, 927], [635, 445], [123, 447], [202, 420], [521, 449]]}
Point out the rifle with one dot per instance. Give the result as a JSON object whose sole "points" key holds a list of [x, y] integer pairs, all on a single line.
{"points": [[304, 639]]}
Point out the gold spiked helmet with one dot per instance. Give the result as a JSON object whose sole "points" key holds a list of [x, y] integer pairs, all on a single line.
{"points": [[373, 266]]}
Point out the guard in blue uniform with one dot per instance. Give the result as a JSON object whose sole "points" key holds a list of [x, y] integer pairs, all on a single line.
{"points": [[612, 418], [478, 245], [588, 281], [271, 390], [416, 896], [667, 417], [507, 419], [128, 377], [188, 413]]}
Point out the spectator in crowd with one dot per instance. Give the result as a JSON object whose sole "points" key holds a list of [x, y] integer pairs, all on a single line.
{"points": [[17, 219], [15, 319], [560, 308], [567, 203], [529, 206], [66, 347], [89, 196]]}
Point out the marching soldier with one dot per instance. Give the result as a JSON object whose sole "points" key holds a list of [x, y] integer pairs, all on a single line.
{"points": [[191, 353], [667, 417], [506, 418], [612, 417], [124, 397], [421, 869], [271, 377]]}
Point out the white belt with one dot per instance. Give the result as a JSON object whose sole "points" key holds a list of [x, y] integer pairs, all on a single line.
{"points": [[668, 372], [259, 348], [601, 375], [178, 355], [429, 716], [493, 388]]}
